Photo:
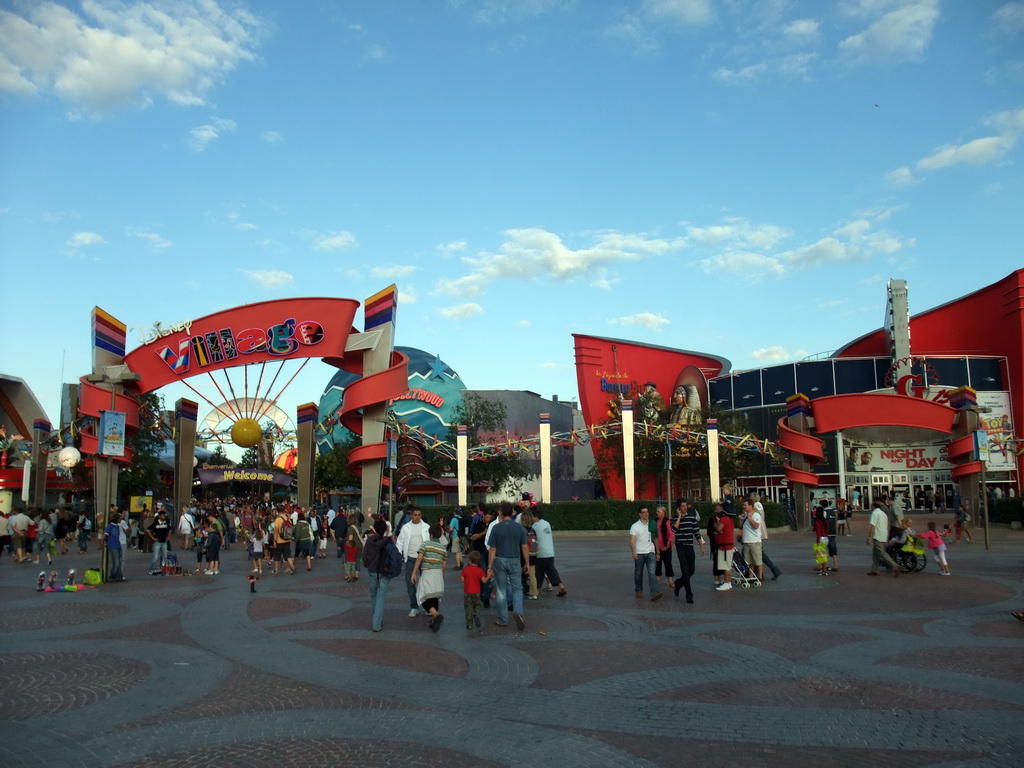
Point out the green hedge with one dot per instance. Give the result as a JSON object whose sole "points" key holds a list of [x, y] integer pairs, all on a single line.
{"points": [[610, 515]]}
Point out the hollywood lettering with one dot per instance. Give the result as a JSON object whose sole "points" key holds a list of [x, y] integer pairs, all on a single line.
{"points": [[415, 393], [224, 344]]}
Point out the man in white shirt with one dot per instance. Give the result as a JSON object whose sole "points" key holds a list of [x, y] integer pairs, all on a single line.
{"points": [[412, 535], [878, 535], [753, 524], [546, 553], [644, 556]]}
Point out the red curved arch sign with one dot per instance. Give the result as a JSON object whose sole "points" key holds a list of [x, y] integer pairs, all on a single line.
{"points": [[253, 333]]}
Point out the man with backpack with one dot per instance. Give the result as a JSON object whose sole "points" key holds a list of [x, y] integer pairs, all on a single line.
{"points": [[284, 532], [383, 561]]}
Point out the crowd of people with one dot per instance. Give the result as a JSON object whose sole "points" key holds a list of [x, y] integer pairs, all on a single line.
{"points": [[504, 555]]}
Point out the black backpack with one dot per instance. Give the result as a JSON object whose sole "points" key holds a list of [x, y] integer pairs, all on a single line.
{"points": [[390, 561]]}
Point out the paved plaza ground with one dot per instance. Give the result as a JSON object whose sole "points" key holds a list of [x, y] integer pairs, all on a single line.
{"points": [[844, 670]]}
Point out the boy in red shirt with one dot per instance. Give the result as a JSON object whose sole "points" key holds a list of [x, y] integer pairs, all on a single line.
{"points": [[473, 577]]}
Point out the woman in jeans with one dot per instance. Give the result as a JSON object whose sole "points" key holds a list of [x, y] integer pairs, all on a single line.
{"points": [[665, 543], [373, 552]]}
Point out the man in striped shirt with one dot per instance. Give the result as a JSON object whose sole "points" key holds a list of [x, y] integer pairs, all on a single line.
{"points": [[687, 528]]}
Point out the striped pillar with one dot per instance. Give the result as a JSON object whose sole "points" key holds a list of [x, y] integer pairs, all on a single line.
{"points": [[40, 436], [628, 452], [305, 464], [186, 413], [545, 458], [714, 479], [462, 457]]}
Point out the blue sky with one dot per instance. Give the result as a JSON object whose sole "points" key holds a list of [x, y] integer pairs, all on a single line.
{"points": [[733, 177]]}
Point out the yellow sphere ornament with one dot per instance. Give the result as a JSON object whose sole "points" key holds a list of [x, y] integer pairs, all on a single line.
{"points": [[245, 433]]}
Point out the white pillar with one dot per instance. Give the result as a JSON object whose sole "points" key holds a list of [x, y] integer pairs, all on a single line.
{"points": [[462, 454], [545, 458], [841, 454], [627, 449], [713, 459]]}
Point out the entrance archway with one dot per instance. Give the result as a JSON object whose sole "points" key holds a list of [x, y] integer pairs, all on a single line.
{"points": [[263, 333]]}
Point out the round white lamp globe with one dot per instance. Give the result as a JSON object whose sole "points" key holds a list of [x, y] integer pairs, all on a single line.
{"points": [[69, 457]]}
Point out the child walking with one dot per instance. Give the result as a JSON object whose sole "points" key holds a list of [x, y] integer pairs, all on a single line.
{"points": [[257, 540], [473, 578], [351, 559], [937, 547]]}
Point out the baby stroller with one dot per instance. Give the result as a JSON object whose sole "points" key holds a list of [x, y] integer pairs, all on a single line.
{"points": [[743, 573]]}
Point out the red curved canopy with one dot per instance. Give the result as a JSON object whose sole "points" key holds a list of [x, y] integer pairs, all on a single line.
{"points": [[881, 409]]}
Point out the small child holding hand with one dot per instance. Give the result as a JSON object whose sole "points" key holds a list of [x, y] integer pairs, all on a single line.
{"points": [[473, 577]]}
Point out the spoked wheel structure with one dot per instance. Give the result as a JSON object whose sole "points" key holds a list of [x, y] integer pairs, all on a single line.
{"points": [[243, 402]]}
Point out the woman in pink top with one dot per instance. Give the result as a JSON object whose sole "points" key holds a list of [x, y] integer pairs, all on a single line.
{"points": [[665, 542], [936, 546]]}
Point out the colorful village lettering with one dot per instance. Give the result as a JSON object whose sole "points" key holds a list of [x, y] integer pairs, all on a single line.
{"points": [[224, 344]]}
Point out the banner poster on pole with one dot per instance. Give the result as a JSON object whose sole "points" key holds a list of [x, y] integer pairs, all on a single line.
{"points": [[112, 433], [999, 426]]}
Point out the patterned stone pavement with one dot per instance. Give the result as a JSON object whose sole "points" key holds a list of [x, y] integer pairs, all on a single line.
{"points": [[844, 670]]}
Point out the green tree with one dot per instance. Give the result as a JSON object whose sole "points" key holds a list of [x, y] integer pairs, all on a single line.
{"points": [[219, 458], [251, 458], [146, 443], [689, 460], [331, 472], [483, 419]]}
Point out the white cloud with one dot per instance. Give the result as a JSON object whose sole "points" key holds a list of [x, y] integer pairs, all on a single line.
{"points": [[461, 311], [975, 152], [407, 295], [983, 151], [792, 66], [737, 233], [632, 31], [244, 226], [687, 12], [84, 239], [802, 30], [604, 280], [449, 249], [776, 354], [645, 319], [854, 241], [269, 278], [901, 177], [499, 11], [899, 34], [335, 241], [201, 136], [154, 240], [272, 137], [1009, 18], [536, 254], [390, 273], [753, 265], [117, 55]]}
